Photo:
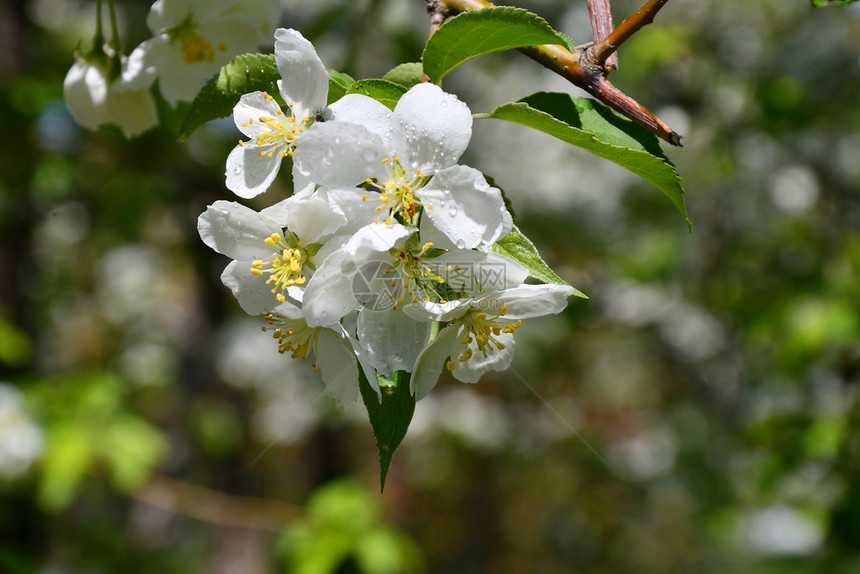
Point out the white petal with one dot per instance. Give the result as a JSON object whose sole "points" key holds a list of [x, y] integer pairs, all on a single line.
{"points": [[471, 370], [376, 239], [249, 110], [364, 110], [431, 361], [85, 90], [437, 127], [168, 13], [236, 231], [475, 272], [337, 154], [328, 295], [337, 367], [430, 311], [132, 110], [348, 203], [143, 62], [471, 213], [528, 301], [392, 339], [251, 291], [305, 80], [248, 173]]}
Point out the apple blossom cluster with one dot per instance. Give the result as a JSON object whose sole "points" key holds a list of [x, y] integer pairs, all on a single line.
{"points": [[381, 259], [192, 40]]}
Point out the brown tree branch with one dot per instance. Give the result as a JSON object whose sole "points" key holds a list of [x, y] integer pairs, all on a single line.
{"points": [[601, 26], [605, 48], [186, 499], [585, 69]]}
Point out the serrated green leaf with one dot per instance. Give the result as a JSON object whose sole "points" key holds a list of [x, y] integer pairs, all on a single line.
{"points": [[383, 91], [518, 247], [338, 84], [244, 74], [390, 418], [483, 31], [407, 75], [594, 127]]}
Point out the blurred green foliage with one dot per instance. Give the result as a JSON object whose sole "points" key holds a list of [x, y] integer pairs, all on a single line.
{"points": [[714, 372]]}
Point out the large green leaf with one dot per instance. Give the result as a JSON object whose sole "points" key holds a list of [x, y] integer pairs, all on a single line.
{"points": [[592, 126], [383, 91], [390, 418], [818, 3], [483, 31], [244, 74], [518, 247]]}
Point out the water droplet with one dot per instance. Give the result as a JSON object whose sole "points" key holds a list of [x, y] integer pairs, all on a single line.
{"points": [[461, 244], [225, 212], [444, 103], [452, 211], [368, 155], [474, 230], [237, 170]]}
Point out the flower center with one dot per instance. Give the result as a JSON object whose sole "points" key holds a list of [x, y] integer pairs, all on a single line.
{"points": [[293, 335], [279, 132], [397, 194], [483, 330], [285, 266], [411, 277], [195, 48]]}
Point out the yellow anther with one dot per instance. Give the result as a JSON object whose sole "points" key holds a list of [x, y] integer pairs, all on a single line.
{"points": [[385, 160], [450, 365], [503, 310], [280, 297], [241, 143]]}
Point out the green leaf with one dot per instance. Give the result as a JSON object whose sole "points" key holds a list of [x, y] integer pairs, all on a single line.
{"points": [[385, 92], [483, 31], [338, 84], [244, 74], [594, 127], [407, 75], [518, 247], [390, 418], [820, 3]]}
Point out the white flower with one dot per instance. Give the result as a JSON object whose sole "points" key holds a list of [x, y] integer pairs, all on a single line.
{"points": [[333, 349], [194, 38], [253, 165], [480, 336], [277, 249], [94, 101], [383, 268], [408, 162]]}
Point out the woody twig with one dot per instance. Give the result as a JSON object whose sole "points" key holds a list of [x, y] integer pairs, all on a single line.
{"points": [[585, 67]]}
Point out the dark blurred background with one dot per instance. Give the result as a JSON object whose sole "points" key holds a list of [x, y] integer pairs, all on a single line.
{"points": [[699, 413]]}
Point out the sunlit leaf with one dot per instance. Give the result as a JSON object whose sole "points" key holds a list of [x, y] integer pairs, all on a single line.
{"points": [[518, 247], [389, 419], [244, 74], [484, 31], [408, 74], [594, 127], [383, 91]]}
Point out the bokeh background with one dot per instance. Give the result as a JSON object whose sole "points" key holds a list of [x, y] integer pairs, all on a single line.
{"points": [[699, 413]]}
